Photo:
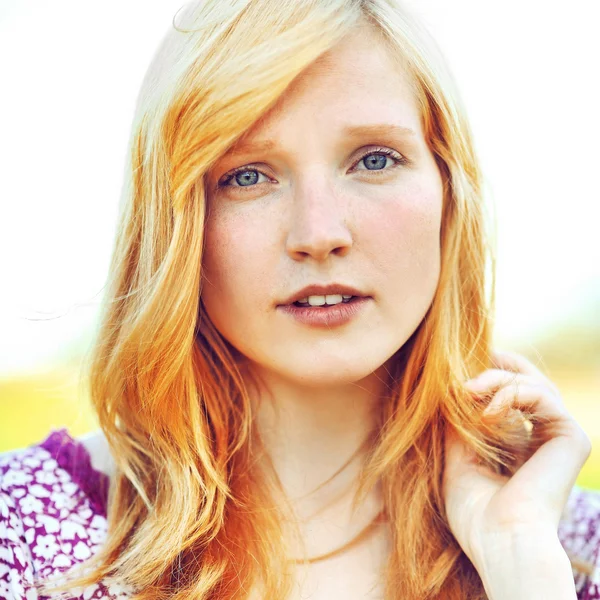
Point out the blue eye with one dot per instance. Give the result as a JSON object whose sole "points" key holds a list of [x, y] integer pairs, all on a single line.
{"points": [[243, 177], [374, 160]]}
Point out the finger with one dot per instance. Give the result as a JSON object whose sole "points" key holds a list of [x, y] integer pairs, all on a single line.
{"points": [[529, 395], [493, 379], [552, 470], [511, 361]]}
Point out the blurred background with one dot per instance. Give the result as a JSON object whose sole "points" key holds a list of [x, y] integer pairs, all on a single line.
{"points": [[70, 73]]}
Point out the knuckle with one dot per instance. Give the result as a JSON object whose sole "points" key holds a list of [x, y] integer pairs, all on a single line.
{"points": [[586, 443], [582, 439]]}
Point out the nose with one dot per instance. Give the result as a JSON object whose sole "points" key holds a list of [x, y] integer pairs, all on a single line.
{"points": [[318, 221]]}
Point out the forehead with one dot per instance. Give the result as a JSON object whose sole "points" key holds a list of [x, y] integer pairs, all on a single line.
{"points": [[357, 84]]}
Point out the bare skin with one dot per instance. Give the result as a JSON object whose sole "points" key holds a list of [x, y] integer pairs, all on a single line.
{"points": [[317, 214], [352, 574]]}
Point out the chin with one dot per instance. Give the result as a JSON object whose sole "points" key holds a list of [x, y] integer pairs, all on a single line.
{"points": [[322, 370]]}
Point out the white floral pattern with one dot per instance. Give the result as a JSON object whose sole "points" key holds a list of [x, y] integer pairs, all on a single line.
{"points": [[579, 533], [49, 522]]}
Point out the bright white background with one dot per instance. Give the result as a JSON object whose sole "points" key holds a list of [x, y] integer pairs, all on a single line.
{"points": [[69, 76]]}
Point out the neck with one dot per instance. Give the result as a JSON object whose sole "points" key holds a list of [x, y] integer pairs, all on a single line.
{"points": [[309, 433], [312, 438]]}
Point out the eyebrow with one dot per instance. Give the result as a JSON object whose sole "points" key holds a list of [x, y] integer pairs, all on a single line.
{"points": [[351, 131], [377, 129]]}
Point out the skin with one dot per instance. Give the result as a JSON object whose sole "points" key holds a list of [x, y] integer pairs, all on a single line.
{"points": [[318, 216], [508, 526], [314, 213]]}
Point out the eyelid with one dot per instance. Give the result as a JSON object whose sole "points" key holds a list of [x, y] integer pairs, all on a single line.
{"points": [[399, 158], [230, 174]]}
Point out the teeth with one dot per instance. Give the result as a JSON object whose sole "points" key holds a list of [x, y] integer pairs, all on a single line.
{"points": [[320, 300], [325, 300]]}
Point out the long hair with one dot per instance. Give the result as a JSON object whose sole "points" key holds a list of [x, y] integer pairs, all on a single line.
{"points": [[189, 513]]}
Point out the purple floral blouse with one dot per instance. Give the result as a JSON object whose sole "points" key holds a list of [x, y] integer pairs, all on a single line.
{"points": [[53, 515]]}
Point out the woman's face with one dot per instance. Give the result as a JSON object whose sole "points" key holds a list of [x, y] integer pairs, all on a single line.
{"points": [[338, 186]]}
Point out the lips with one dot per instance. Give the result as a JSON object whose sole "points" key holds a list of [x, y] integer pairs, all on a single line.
{"points": [[324, 290], [330, 316], [345, 300]]}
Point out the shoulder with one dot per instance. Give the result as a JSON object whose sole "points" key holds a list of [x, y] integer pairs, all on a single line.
{"points": [[51, 510], [59, 464], [579, 533], [4, 456], [97, 447], [94, 442], [52, 515]]}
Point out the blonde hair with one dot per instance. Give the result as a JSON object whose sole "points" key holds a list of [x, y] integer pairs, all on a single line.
{"points": [[189, 516]]}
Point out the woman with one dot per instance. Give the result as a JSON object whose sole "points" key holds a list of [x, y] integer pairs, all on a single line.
{"points": [[293, 375]]}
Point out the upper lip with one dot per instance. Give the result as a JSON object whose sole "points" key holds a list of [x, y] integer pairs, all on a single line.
{"points": [[323, 290]]}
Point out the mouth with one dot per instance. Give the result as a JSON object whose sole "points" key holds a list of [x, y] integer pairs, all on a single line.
{"points": [[323, 294], [319, 313], [346, 299]]}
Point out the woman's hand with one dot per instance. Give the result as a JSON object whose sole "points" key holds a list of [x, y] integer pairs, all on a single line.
{"points": [[489, 513]]}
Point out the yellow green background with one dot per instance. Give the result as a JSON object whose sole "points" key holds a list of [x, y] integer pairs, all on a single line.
{"points": [[33, 404]]}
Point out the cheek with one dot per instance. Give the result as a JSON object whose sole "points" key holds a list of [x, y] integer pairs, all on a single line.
{"points": [[405, 232], [235, 255], [217, 259], [221, 255], [405, 252], [222, 279]]}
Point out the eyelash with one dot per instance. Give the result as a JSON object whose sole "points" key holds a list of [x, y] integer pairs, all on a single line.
{"points": [[395, 156]]}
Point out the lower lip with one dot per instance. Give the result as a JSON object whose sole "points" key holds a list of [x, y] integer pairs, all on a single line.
{"points": [[326, 316]]}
